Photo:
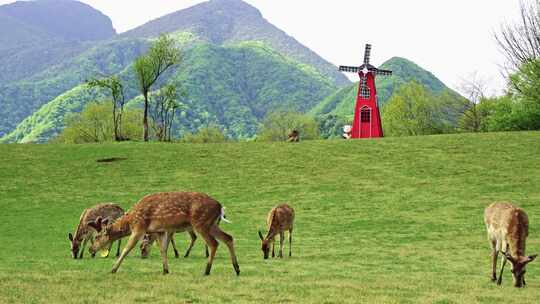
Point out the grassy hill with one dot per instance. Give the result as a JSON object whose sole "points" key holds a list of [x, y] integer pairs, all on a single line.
{"points": [[397, 220]]}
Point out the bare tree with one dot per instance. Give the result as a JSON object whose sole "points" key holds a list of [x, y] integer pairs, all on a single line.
{"points": [[148, 68], [116, 88], [520, 42], [474, 88], [164, 111]]}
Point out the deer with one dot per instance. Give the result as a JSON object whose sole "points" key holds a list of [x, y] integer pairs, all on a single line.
{"points": [[507, 229], [149, 239], [85, 232], [166, 213], [280, 219], [294, 136]]}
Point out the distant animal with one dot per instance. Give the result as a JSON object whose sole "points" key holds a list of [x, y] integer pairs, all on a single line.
{"points": [[149, 239], [294, 136], [85, 232], [347, 132], [507, 229], [280, 219], [165, 214]]}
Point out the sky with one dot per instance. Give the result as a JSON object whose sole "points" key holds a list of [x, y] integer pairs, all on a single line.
{"points": [[454, 39]]}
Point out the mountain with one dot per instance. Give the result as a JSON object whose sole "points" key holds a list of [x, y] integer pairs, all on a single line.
{"points": [[342, 102], [236, 97], [35, 35], [66, 19], [223, 22], [40, 36], [236, 67]]}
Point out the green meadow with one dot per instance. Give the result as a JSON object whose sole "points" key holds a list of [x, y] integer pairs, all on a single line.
{"points": [[396, 220]]}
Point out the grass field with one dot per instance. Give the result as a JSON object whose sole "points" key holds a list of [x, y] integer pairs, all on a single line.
{"points": [[382, 221]]}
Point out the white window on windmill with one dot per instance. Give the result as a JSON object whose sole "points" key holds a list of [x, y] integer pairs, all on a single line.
{"points": [[365, 114], [364, 89]]}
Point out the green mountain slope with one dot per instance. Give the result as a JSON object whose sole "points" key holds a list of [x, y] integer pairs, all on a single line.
{"points": [[224, 22], [35, 35], [220, 90], [403, 218], [342, 102], [21, 99]]}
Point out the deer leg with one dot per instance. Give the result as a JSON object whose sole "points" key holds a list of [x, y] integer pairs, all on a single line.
{"points": [[173, 243], [118, 248], [281, 241], [290, 243], [206, 250], [109, 250], [83, 247], [494, 256], [132, 242], [229, 241], [165, 238], [499, 282], [273, 252], [212, 244], [192, 243]]}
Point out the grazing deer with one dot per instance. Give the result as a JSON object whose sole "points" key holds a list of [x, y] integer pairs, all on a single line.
{"points": [[85, 232], [507, 228], [165, 214], [149, 239], [294, 136], [279, 219]]}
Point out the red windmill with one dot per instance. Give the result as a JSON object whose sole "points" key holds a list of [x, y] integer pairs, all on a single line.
{"points": [[367, 117]]}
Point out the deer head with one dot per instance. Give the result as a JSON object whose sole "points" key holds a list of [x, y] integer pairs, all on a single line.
{"points": [[265, 245], [103, 236], [75, 243], [145, 246], [518, 268]]}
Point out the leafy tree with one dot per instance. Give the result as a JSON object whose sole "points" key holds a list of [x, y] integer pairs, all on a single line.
{"points": [[206, 135], [116, 88], [413, 110], [94, 125], [278, 125], [148, 68], [164, 110]]}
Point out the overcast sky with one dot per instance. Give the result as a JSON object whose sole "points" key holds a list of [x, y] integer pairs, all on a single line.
{"points": [[451, 38]]}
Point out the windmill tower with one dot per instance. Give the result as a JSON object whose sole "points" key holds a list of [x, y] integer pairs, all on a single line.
{"points": [[367, 117]]}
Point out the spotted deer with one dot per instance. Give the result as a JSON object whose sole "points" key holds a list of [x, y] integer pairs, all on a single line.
{"points": [[85, 232], [149, 239], [280, 219], [507, 229], [165, 214]]}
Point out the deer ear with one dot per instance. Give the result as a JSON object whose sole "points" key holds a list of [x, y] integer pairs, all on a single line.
{"points": [[509, 257], [105, 222], [531, 258], [261, 236], [70, 236], [96, 224]]}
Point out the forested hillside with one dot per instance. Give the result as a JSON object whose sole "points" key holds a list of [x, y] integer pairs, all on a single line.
{"points": [[224, 22], [235, 67], [219, 90]]}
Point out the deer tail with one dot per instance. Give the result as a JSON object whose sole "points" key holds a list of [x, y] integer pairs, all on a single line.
{"points": [[223, 217]]}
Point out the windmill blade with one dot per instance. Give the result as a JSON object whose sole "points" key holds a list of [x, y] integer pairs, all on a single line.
{"points": [[348, 69], [382, 72], [367, 54]]}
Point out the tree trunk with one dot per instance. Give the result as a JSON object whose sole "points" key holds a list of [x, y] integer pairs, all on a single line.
{"points": [[115, 122], [145, 118]]}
